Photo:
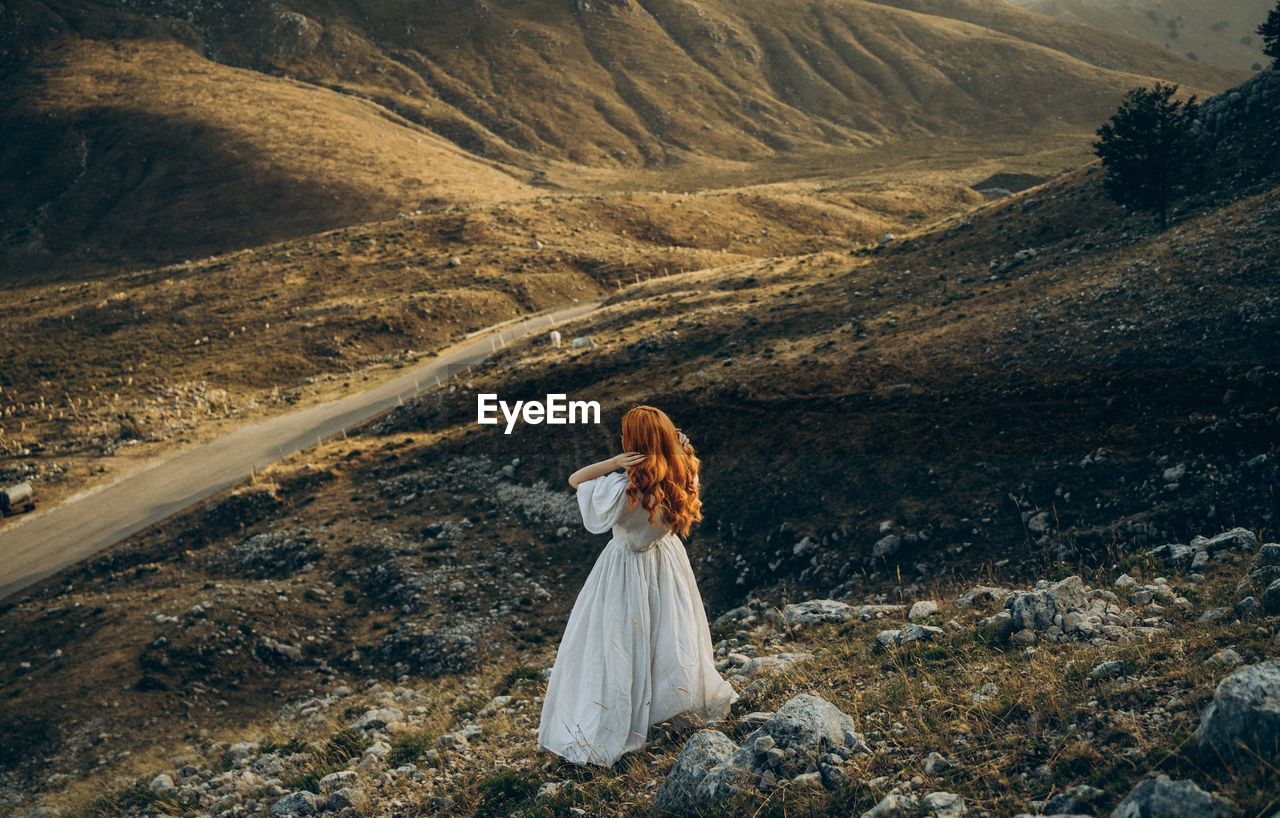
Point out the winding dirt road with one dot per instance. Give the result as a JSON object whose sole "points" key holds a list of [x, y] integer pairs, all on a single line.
{"points": [[49, 540]]}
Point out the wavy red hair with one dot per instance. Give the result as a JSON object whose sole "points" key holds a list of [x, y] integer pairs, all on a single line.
{"points": [[666, 483]]}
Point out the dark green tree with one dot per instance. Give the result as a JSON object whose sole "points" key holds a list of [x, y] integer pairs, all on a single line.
{"points": [[1148, 150], [1269, 31]]}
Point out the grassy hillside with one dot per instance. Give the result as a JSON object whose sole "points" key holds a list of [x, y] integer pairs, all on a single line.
{"points": [[147, 133], [121, 366], [1222, 34]]}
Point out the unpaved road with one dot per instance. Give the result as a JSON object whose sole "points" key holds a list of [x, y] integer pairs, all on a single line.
{"points": [[41, 544]]}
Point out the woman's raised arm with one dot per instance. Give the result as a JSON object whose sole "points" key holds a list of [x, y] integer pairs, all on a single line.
{"points": [[618, 461]]}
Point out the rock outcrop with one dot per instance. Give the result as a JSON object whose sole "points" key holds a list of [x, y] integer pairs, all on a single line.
{"points": [[1243, 720], [807, 737]]}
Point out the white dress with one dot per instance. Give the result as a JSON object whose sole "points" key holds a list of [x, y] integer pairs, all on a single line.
{"points": [[637, 650]]}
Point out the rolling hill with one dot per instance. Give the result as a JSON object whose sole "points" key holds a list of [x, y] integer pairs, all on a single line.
{"points": [[144, 133], [1216, 33]]}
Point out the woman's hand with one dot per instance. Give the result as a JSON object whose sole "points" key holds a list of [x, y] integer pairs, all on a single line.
{"points": [[626, 460], [618, 461]]}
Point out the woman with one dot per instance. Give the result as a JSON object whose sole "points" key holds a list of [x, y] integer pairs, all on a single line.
{"points": [[636, 651]]}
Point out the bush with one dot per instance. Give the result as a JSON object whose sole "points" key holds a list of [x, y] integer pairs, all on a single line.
{"points": [[504, 792]]}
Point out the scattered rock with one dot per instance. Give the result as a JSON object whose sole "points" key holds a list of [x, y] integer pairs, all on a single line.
{"points": [[894, 805], [1077, 800], [935, 763], [1107, 670], [922, 610], [997, 628], [296, 803], [161, 784], [1227, 658], [909, 635], [983, 596], [886, 546], [817, 611], [379, 718], [1035, 610], [1160, 797], [943, 805], [1271, 598]]}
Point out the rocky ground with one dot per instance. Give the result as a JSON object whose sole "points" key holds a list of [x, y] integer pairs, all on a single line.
{"points": [[1144, 691]]}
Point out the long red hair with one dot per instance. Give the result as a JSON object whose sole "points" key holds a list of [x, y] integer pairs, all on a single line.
{"points": [[666, 483]]}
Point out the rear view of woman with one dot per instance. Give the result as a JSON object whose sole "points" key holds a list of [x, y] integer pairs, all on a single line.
{"points": [[637, 650]]}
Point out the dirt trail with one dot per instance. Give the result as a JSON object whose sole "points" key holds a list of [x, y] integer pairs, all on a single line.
{"points": [[50, 540]]}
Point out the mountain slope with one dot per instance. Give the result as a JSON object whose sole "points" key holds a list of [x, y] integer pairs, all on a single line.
{"points": [[108, 158], [1216, 33], [154, 131]]}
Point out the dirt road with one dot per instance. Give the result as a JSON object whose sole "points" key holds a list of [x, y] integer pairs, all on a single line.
{"points": [[53, 538]]}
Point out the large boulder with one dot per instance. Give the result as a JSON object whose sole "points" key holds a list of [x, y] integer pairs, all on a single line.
{"points": [[702, 752], [1160, 797], [1244, 717], [807, 736]]}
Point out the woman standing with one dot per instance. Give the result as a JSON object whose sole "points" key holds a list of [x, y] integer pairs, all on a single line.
{"points": [[637, 650]]}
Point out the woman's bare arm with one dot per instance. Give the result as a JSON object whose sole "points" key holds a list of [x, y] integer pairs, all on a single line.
{"points": [[618, 461]]}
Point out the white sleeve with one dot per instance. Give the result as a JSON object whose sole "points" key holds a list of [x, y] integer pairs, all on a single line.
{"points": [[602, 501]]}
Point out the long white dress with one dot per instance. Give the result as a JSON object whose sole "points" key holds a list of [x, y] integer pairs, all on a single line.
{"points": [[637, 650]]}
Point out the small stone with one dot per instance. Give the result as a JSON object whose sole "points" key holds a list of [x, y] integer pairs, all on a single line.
{"points": [[550, 789], [893, 805], [920, 633], [342, 799], [333, 782], [1269, 554], [452, 741], [886, 546], [1107, 670], [922, 610], [301, 802], [1271, 598], [1074, 800], [162, 783], [381, 717], [888, 638], [943, 805], [1226, 658], [997, 628], [816, 612], [1248, 608]]}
